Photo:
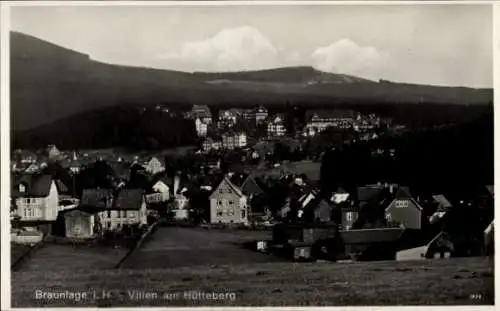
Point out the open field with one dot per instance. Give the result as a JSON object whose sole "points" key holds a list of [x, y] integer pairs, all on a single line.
{"points": [[435, 282], [66, 257], [177, 246]]}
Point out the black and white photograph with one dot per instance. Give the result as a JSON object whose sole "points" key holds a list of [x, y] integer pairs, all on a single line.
{"points": [[225, 154]]}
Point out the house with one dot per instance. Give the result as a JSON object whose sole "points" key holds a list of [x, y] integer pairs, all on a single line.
{"points": [[81, 223], [349, 214], [202, 112], [405, 210], [228, 116], [228, 204], [154, 166], [439, 247], [36, 198], [260, 114], [211, 144], [320, 120], [234, 140], [276, 127], [317, 210], [201, 127], [128, 208], [159, 191], [25, 156]]}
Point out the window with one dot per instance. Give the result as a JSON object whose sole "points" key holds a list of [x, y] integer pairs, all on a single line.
{"points": [[243, 214], [349, 216], [401, 203], [219, 202], [22, 188], [231, 202], [230, 213], [109, 214], [219, 213]]}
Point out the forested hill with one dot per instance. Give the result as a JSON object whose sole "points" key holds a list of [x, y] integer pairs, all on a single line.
{"points": [[457, 157], [49, 83]]}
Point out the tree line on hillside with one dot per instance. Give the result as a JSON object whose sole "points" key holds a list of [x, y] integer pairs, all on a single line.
{"points": [[117, 127], [456, 157]]}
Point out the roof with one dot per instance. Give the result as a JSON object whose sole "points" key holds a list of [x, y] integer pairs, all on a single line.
{"points": [[36, 185], [232, 186], [404, 192], [251, 187], [129, 199], [367, 236], [95, 197]]}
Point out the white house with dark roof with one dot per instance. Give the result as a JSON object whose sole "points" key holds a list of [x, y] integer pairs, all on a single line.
{"points": [[36, 198], [228, 204], [128, 208]]}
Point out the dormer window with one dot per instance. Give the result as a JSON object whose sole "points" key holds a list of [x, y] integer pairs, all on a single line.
{"points": [[22, 188]]}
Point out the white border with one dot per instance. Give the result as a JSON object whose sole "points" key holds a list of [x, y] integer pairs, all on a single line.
{"points": [[5, 154], [5, 129]]}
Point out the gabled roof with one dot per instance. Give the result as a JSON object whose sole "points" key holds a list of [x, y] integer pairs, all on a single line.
{"points": [[251, 187], [440, 235], [129, 199], [232, 186]]}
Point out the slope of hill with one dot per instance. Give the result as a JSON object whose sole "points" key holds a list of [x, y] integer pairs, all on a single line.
{"points": [[49, 82]]}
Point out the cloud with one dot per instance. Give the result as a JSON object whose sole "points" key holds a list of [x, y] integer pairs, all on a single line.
{"points": [[241, 48], [347, 57]]}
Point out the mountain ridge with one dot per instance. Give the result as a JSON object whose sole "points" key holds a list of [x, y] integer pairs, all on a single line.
{"points": [[50, 82]]}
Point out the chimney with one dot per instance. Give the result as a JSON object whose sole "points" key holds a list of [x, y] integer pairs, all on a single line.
{"points": [[391, 189], [176, 183]]}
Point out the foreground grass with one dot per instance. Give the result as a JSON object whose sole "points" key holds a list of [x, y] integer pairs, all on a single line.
{"points": [[452, 281], [55, 258]]}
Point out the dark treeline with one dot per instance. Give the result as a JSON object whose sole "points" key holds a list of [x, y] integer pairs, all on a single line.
{"points": [[456, 158], [114, 127], [130, 127]]}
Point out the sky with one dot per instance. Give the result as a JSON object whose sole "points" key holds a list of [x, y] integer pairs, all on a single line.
{"points": [[425, 44]]}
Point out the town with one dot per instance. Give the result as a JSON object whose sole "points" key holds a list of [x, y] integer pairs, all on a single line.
{"points": [[248, 174], [248, 155]]}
